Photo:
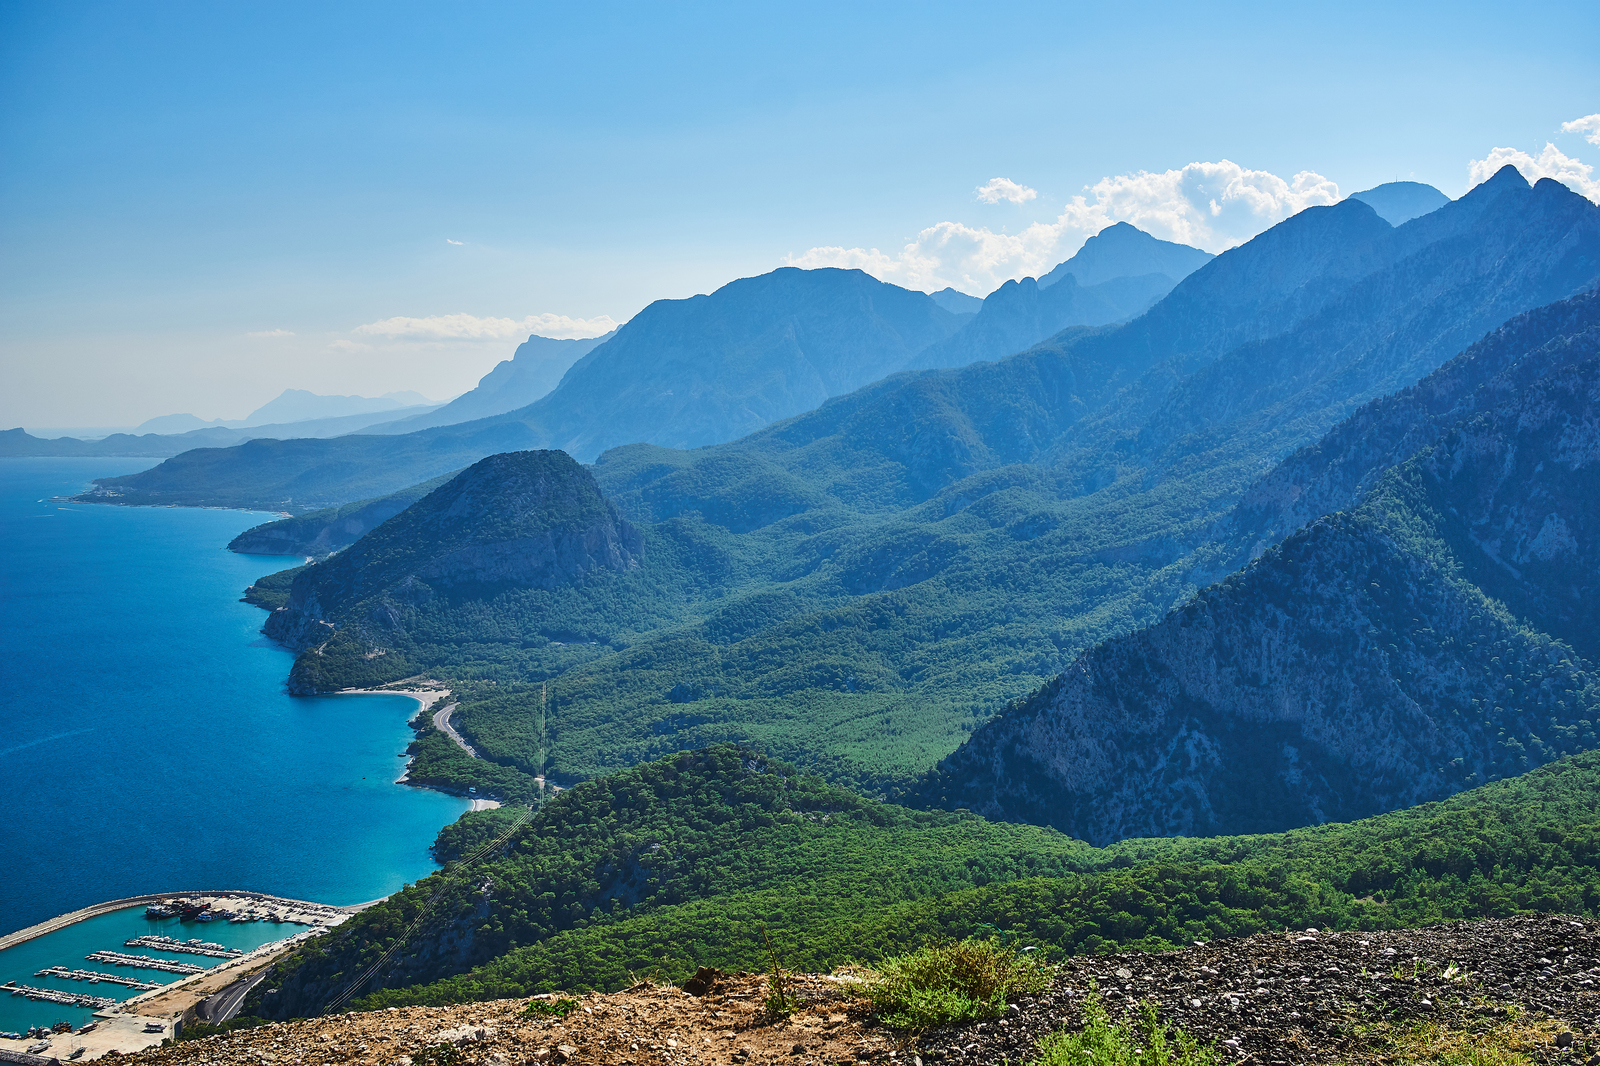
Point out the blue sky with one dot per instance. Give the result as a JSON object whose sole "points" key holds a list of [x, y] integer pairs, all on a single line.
{"points": [[202, 205]]}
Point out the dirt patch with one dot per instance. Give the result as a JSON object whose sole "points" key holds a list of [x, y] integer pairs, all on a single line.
{"points": [[647, 1024]]}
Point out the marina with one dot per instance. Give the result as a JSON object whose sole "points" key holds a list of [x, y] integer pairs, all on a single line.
{"points": [[143, 962], [94, 978], [62, 999], [190, 947]]}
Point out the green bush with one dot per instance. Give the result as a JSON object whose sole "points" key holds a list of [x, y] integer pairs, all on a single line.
{"points": [[953, 981], [1101, 1042]]}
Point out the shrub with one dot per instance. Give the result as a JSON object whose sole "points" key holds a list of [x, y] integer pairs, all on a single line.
{"points": [[953, 981], [1101, 1042]]}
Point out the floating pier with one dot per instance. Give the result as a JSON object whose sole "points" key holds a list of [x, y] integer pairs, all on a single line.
{"points": [[144, 962], [95, 978], [191, 947], [60, 999]]}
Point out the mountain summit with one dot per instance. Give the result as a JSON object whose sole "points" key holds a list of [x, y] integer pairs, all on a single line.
{"points": [[520, 519], [1124, 251], [1398, 202]]}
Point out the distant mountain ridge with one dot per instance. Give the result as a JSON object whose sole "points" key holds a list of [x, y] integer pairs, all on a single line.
{"points": [[686, 373], [533, 370], [1399, 202], [18, 442]]}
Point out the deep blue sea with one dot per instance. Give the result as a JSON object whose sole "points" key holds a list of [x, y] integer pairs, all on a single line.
{"points": [[148, 744]]}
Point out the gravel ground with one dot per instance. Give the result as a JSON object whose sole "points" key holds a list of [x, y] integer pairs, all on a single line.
{"points": [[1302, 997]]}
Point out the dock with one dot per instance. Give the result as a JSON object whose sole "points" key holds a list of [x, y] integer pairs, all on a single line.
{"points": [[94, 978], [191, 947], [144, 962], [60, 999]]}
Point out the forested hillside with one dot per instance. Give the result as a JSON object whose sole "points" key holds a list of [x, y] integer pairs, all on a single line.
{"points": [[682, 862], [1437, 636]]}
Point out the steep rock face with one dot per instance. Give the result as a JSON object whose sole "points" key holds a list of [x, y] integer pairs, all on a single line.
{"points": [[1358, 667], [1517, 496], [1339, 469], [528, 519]]}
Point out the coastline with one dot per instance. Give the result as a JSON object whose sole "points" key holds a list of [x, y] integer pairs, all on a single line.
{"points": [[426, 696]]}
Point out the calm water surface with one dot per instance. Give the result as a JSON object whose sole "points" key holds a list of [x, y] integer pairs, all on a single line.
{"points": [[148, 744]]}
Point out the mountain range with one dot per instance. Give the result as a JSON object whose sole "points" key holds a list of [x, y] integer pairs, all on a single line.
{"points": [[860, 586], [685, 373]]}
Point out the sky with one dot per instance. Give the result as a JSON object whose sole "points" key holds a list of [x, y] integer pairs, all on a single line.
{"points": [[204, 204]]}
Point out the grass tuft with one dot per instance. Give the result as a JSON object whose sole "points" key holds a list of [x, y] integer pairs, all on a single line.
{"points": [[1515, 1041], [953, 981], [1144, 1042]]}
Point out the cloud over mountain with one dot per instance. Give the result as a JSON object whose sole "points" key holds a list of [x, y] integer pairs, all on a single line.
{"points": [[1214, 206], [1550, 163]]}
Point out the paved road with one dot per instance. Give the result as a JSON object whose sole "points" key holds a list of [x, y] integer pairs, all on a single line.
{"points": [[441, 722], [220, 1006]]}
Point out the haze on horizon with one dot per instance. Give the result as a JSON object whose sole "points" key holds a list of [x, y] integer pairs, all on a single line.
{"points": [[204, 207]]}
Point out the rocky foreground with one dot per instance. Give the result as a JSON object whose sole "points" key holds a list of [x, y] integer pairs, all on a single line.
{"points": [[1531, 985]]}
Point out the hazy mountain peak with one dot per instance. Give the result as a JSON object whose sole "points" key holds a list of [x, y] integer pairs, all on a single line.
{"points": [[1124, 251], [1398, 202], [957, 302], [298, 405], [533, 370]]}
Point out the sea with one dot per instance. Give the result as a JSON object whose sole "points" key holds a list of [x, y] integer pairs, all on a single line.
{"points": [[148, 743]]}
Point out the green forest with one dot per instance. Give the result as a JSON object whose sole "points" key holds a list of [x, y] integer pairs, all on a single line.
{"points": [[681, 863]]}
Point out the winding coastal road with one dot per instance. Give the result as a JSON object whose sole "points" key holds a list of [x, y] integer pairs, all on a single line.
{"points": [[441, 722]]}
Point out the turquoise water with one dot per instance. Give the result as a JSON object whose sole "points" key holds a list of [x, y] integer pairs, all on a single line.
{"points": [[67, 947], [148, 744]]}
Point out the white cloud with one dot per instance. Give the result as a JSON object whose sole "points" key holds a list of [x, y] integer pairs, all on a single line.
{"points": [[1214, 206], [997, 189], [1587, 124], [271, 333], [342, 345], [1551, 163], [471, 327], [447, 240]]}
